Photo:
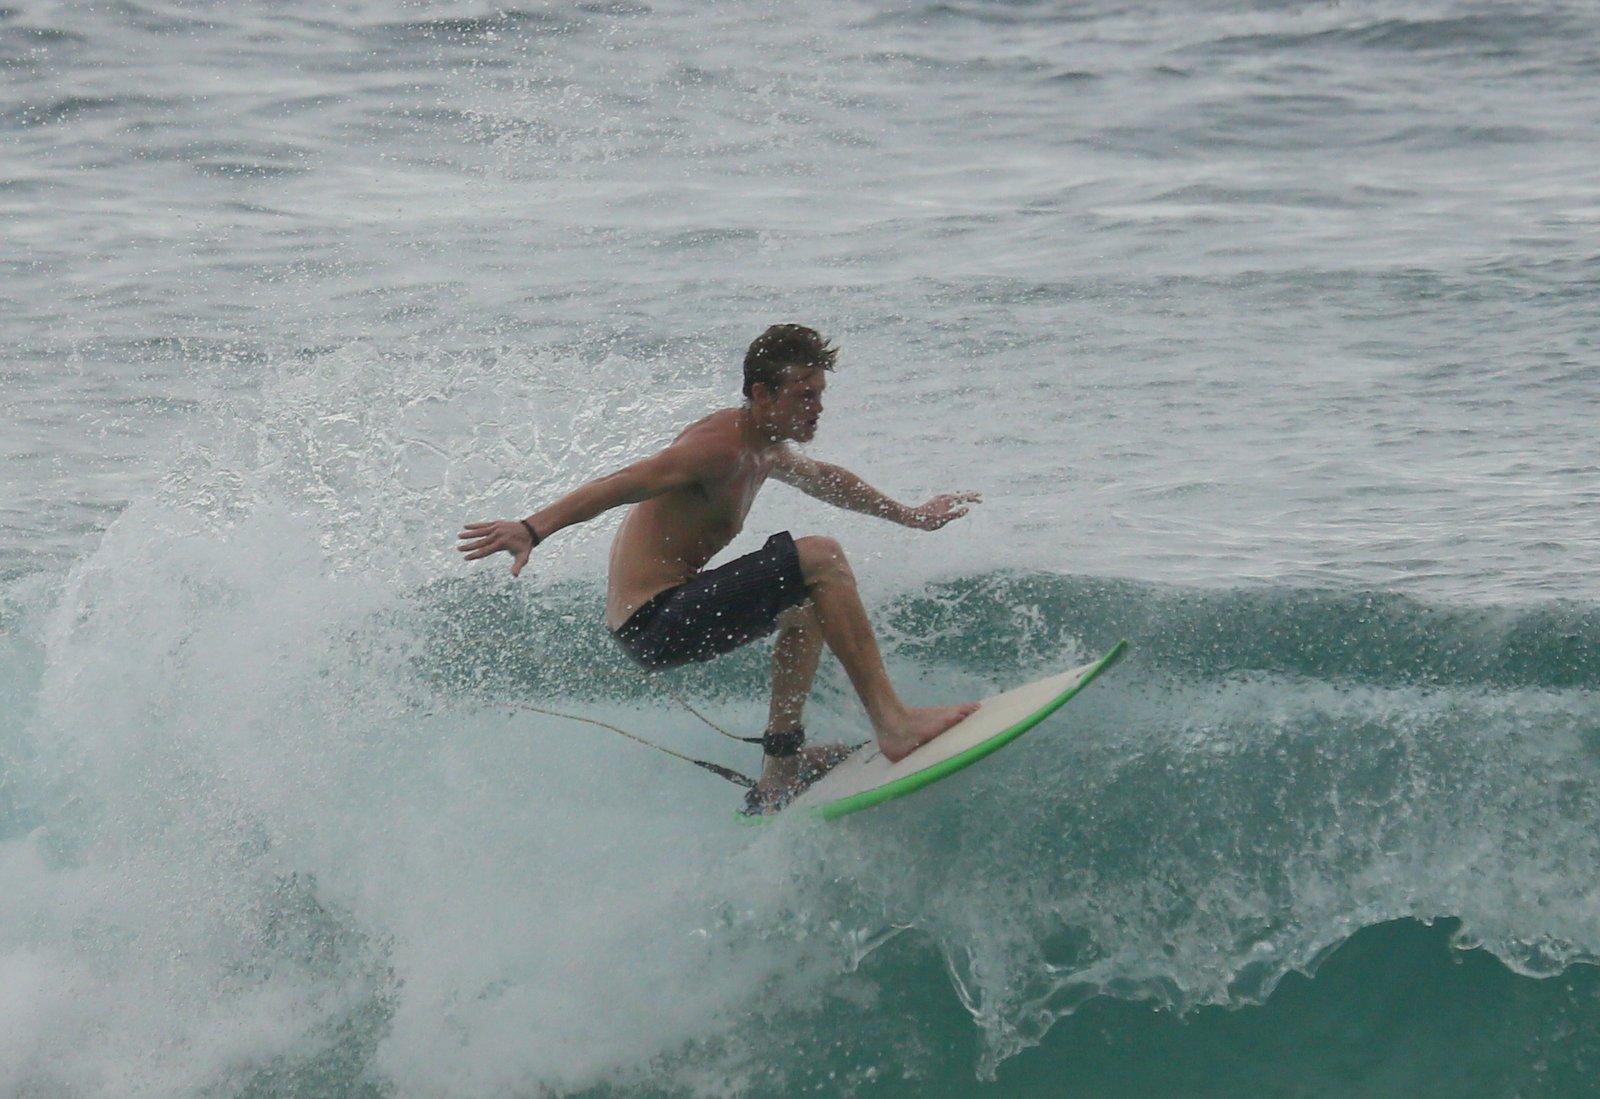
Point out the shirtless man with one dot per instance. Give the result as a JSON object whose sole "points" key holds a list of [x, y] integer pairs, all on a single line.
{"points": [[689, 501]]}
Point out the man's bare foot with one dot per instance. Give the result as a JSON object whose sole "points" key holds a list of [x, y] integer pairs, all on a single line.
{"points": [[920, 726]]}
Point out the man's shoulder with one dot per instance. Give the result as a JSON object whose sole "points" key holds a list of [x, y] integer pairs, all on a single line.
{"points": [[792, 465], [712, 440], [723, 421], [719, 425]]}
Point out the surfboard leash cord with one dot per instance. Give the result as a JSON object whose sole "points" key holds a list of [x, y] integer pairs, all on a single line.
{"points": [[715, 768]]}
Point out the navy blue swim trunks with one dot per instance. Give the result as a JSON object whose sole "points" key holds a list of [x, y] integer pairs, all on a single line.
{"points": [[718, 610]]}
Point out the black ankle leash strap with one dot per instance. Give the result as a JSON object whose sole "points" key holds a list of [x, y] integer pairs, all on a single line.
{"points": [[784, 745]]}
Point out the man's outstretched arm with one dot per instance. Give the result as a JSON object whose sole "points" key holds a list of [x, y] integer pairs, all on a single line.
{"points": [[673, 468], [838, 486]]}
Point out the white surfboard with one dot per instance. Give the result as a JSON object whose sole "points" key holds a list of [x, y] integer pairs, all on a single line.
{"points": [[865, 778]]}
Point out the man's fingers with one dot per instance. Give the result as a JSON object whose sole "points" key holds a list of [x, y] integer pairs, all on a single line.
{"points": [[471, 539], [479, 540], [943, 509]]}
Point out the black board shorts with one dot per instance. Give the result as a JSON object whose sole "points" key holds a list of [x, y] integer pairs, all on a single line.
{"points": [[718, 610]]}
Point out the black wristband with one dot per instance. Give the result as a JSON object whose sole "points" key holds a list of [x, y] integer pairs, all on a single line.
{"points": [[531, 532]]}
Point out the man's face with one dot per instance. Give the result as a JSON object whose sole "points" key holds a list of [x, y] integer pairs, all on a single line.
{"points": [[796, 405]]}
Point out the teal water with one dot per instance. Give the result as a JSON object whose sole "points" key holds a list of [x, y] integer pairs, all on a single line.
{"points": [[1304, 855], [1266, 330]]}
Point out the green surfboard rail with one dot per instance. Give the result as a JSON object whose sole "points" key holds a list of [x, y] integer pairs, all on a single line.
{"points": [[866, 799]]}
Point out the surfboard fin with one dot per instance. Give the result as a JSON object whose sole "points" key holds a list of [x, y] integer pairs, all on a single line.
{"points": [[723, 772]]}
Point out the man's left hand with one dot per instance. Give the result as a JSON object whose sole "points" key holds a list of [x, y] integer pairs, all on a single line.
{"points": [[943, 509]]}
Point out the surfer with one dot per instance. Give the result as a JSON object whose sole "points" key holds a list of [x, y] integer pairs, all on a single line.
{"points": [[689, 501]]}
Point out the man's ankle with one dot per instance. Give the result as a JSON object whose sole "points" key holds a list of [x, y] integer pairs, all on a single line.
{"points": [[784, 744]]}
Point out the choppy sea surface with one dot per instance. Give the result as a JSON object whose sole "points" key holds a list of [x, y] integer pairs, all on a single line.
{"points": [[1267, 329]]}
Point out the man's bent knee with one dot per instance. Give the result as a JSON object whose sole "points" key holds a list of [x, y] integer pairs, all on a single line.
{"points": [[822, 558]]}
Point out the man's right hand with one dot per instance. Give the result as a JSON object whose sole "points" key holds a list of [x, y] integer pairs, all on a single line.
{"points": [[501, 536]]}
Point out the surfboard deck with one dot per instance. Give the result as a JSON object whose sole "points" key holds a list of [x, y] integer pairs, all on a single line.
{"points": [[865, 778]]}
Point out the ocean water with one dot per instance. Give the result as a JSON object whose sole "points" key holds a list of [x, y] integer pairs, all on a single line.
{"points": [[1267, 329]]}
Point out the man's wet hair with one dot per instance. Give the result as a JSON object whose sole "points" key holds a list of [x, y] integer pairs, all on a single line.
{"points": [[784, 347]]}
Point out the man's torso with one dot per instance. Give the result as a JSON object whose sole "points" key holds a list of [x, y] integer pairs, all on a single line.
{"points": [[666, 540]]}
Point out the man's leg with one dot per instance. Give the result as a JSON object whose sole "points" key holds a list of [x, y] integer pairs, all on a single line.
{"points": [[794, 666], [842, 619]]}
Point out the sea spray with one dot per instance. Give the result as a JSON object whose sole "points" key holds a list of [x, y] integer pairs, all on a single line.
{"points": [[268, 787], [274, 774]]}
